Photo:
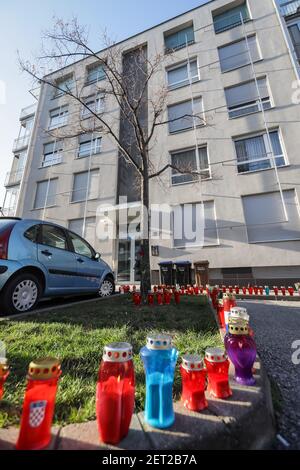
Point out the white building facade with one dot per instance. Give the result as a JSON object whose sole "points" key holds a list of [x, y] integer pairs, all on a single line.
{"points": [[232, 62]]}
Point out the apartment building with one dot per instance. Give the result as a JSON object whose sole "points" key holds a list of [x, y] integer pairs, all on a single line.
{"points": [[289, 13], [20, 149], [231, 61]]}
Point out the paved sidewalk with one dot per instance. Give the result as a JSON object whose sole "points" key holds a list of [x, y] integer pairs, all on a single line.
{"points": [[277, 326]]}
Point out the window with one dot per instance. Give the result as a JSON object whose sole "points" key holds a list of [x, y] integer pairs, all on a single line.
{"points": [[179, 39], [95, 73], [81, 247], [54, 236], [231, 18], [186, 115], [198, 218], [85, 185], [58, 117], [295, 36], [190, 160], [243, 99], [265, 217], [65, 84], [76, 226], [89, 146], [233, 56], [45, 193], [52, 153], [254, 153], [183, 74], [95, 104], [32, 233]]}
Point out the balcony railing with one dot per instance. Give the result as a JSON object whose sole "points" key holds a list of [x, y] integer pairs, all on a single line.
{"points": [[28, 111], [21, 142], [290, 8], [13, 177]]}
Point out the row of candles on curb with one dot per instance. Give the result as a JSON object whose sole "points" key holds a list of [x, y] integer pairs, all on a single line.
{"points": [[200, 290], [115, 395]]}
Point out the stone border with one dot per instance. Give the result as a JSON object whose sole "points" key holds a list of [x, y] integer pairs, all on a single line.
{"points": [[244, 421]]}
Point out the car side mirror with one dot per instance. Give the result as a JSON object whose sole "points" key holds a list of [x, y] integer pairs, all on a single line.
{"points": [[97, 256]]}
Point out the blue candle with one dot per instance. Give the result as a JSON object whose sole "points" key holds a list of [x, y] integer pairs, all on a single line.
{"points": [[159, 358]]}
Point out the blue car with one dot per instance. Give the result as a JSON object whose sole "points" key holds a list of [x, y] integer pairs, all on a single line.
{"points": [[40, 259]]}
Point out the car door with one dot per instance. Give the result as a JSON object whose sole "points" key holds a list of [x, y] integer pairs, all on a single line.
{"points": [[59, 260], [89, 269]]}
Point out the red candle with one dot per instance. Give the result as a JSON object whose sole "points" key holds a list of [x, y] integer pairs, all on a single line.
{"points": [[230, 289], [276, 291], [167, 297], [224, 289], [115, 393], [283, 290], [39, 403], [4, 373], [250, 290], [137, 298], [193, 376], [150, 298], [237, 290], [177, 297], [256, 290], [244, 290], [217, 366], [159, 297], [196, 289], [291, 291], [220, 312], [261, 291]]}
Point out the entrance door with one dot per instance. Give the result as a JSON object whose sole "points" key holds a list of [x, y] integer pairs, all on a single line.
{"points": [[202, 273], [129, 261]]}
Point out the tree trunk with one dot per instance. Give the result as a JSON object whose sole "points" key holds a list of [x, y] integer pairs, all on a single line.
{"points": [[145, 242]]}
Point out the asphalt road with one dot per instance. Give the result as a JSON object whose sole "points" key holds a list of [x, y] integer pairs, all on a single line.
{"points": [[277, 327]]}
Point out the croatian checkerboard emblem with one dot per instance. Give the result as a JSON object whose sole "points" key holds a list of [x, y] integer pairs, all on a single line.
{"points": [[37, 413]]}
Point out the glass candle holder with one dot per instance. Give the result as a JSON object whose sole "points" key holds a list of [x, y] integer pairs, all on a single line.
{"points": [[283, 290], [115, 393], [159, 358], [241, 349], [167, 297], [39, 404], [193, 377], [4, 373], [291, 291], [177, 297], [159, 297], [250, 290], [217, 366], [137, 298], [244, 291], [267, 290], [150, 298]]}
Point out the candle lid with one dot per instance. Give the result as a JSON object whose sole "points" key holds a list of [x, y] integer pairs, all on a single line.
{"points": [[45, 368], [159, 341], [117, 352], [238, 326], [215, 355], [3, 366], [192, 362], [225, 296], [239, 312]]}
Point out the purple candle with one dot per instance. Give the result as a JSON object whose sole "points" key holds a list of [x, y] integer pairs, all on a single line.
{"points": [[241, 350]]}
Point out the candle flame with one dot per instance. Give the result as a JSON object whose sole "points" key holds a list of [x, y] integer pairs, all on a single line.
{"points": [[119, 378]]}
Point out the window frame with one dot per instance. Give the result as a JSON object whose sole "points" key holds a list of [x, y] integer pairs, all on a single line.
{"points": [[198, 178], [251, 104], [62, 229], [193, 127], [266, 143], [72, 191], [249, 36], [94, 152], [34, 200], [92, 67], [176, 31], [234, 25], [183, 83], [63, 117], [59, 93], [59, 153], [69, 233], [183, 247], [85, 113]]}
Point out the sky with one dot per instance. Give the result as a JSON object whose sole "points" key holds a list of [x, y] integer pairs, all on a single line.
{"points": [[21, 28]]}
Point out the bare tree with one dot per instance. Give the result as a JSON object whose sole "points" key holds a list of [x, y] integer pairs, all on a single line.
{"points": [[128, 87]]}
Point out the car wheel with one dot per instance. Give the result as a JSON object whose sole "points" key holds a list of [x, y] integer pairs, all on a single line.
{"points": [[107, 287], [22, 293]]}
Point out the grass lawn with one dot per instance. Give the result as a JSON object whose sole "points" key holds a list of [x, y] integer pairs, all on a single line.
{"points": [[77, 336]]}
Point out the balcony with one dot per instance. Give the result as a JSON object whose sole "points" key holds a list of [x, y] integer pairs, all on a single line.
{"points": [[13, 177], [21, 142], [28, 111], [290, 8]]}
